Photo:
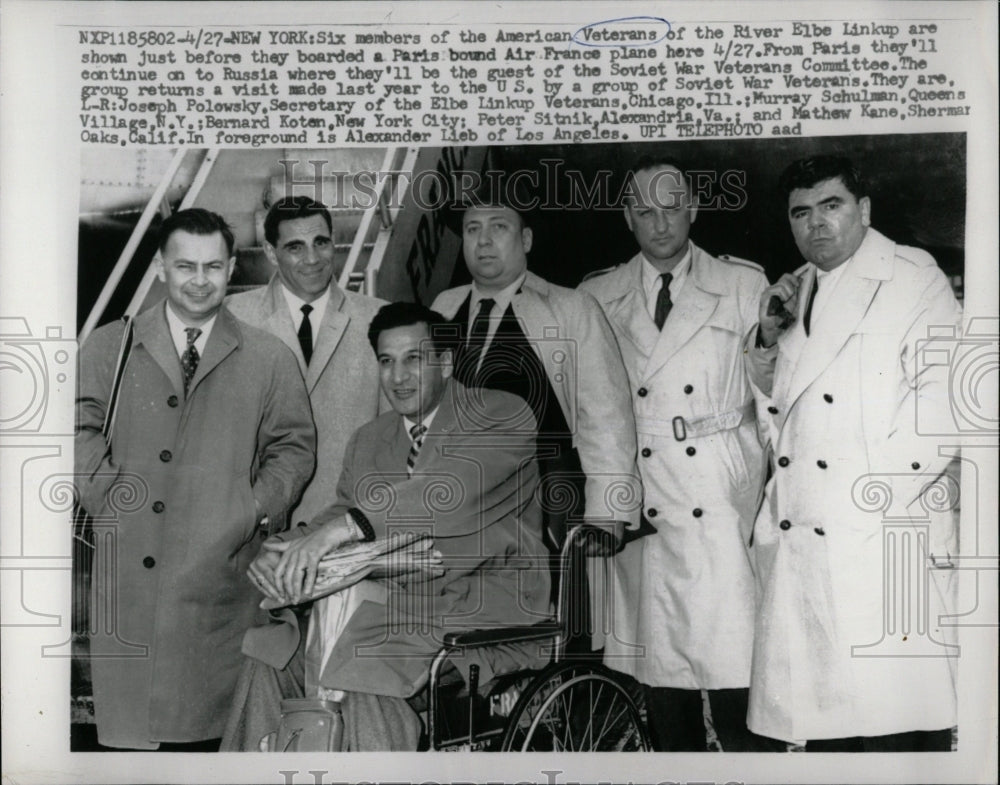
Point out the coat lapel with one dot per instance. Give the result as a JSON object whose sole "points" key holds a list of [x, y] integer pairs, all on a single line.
{"points": [[626, 310], [696, 304], [152, 331], [847, 306], [394, 444], [222, 341], [791, 343], [278, 321], [328, 336]]}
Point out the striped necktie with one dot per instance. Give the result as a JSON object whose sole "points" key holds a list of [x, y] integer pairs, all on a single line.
{"points": [[417, 433], [190, 358]]}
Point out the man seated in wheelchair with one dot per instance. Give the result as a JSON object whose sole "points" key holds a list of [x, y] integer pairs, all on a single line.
{"points": [[455, 464]]}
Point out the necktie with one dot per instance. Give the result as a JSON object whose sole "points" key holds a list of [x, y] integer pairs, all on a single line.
{"points": [[417, 435], [189, 360], [663, 302], [306, 333], [477, 334], [807, 316]]}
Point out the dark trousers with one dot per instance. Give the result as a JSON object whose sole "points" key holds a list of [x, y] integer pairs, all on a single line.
{"points": [[677, 722], [911, 741]]}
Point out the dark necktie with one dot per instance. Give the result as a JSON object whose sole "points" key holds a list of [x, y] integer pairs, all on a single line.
{"points": [[306, 333], [663, 302], [807, 316], [477, 334], [417, 434], [189, 360]]}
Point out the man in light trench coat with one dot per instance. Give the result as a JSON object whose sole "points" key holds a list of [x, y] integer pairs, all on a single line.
{"points": [[213, 437], [683, 602], [846, 657]]}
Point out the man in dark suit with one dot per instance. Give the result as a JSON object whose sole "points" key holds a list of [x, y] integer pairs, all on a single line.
{"points": [[213, 435], [457, 465]]}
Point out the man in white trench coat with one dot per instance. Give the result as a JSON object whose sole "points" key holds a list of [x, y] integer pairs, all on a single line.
{"points": [[853, 544], [684, 596]]}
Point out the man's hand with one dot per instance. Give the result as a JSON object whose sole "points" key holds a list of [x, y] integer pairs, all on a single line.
{"points": [[772, 324], [261, 573], [295, 572]]}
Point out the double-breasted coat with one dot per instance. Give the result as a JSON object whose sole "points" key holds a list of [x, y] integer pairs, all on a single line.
{"points": [[855, 538], [342, 375], [175, 497], [683, 601]]}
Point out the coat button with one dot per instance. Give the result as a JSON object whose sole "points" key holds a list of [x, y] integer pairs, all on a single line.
{"points": [[690, 451], [688, 389], [785, 525], [172, 401], [158, 506], [772, 409], [783, 461], [827, 397], [651, 512], [149, 562], [646, 452], [821, 464], [914, 466], [696, 512], [819, 531], [165, 456], [641, 392]]}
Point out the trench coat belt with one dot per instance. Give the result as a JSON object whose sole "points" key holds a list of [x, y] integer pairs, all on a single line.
{"points": [[682, 428]]}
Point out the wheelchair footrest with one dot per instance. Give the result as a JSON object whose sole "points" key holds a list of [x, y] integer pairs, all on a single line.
{"points": [[491, 637]]}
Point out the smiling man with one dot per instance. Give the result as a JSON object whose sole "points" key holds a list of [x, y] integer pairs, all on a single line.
{"points": [[844, 387], [212, 438], [459, 466], [323, 325]]}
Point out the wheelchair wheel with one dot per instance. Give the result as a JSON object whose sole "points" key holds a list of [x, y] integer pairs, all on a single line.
{"points": [[575, 707]]}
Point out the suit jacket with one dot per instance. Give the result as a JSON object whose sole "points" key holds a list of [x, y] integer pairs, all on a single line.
{"points": [[473, 491], [692, 578], [852, 412], [581, 359], [175, 492], [342, 376]]}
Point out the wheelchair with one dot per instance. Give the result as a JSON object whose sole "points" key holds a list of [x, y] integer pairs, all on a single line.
{"points": [[575, 704]]}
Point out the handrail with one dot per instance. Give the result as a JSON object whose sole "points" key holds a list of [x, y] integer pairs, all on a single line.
{"points": [[366, 220], [125, 258], [388, 218]]}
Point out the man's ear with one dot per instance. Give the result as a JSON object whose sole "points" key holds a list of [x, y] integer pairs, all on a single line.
{"points": [[269, 252], [232, 266], [445, 359], [866, 210], [692, 208], [161, 272], [628, 218], [526, 238]]}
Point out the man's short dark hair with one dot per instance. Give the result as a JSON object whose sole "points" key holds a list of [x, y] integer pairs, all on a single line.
{"points": [[196, 220], [443, 333], [645, 162], [291, 208], [809, 172]]}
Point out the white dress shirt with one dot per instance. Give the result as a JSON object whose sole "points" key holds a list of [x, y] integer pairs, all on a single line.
{"points": [[652, 282], [179, 336]]}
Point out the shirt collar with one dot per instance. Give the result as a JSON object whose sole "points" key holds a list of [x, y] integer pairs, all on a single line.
{"points": [[651, 276], [501, 298], [178, 328], [426, 422], [295, 304]]}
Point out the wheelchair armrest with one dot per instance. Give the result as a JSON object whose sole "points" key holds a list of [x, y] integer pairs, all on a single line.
{"points": [[491, 637], [582, 534]]}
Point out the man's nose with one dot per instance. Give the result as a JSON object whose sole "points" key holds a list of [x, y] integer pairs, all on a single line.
{"points": [[484, 238], [200, 278], [399, 372], [660, 221], [816, 218]]}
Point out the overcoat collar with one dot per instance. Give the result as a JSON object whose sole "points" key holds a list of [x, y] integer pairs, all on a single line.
{"points": [[153, 332], [801, 358]]}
